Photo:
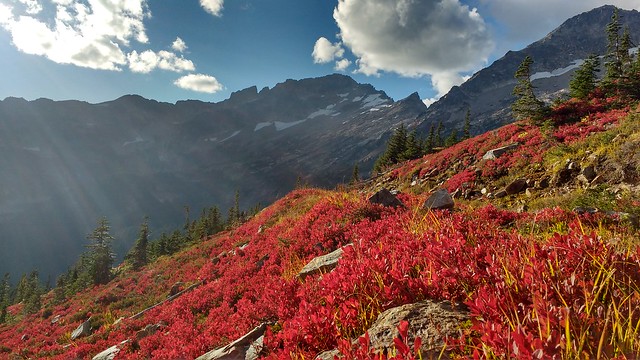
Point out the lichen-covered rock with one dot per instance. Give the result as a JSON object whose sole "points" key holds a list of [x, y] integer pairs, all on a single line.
{"points": [[110, 353], [439, 200], [83, 329], [248, 347], [322, 264], [496, 153]]}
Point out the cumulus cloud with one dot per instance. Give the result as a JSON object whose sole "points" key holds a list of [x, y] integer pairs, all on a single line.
{"points": [[84, 33], [200, 83], [342, 64], [213, 7], [179, 45], [324, 51], [437, 38], [148, 60]]}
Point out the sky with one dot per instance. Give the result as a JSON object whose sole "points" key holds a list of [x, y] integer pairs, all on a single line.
{"points": [[171, 50]]}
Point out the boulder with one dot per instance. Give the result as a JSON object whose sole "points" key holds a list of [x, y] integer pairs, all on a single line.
{"points": [[440, 199], [589, 172], [432, 321], [148, 330], [384, 197], [82, 330], [322, 264], [248, 347], [110, 353], [516, 186], [496, 153], [501, 193]]}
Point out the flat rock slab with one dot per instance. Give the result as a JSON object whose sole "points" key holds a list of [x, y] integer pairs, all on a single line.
{"points": [[516, 186], [384, 197], [322, 264], [83, 329], [439, 200], [110, 353], [496, 153], [248, 347]]}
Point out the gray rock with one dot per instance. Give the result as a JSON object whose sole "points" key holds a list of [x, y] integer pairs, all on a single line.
{"points": [[516, 186], [176, 288], [385, 198], [589, 172], [585, 210], [440, 199], [110, 353], [496, 153], [500, 193], [148, 330], [327, 355], [322, 264], [83, 330], [582, 180], [248, 347], [432, 321]]}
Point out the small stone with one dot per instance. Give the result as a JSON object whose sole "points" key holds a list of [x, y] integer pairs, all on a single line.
{"points": [[83, 329], [484, 191], [439, 200], [496, 153], [110, 353], [516, 186], [176, 288], [384, 197], [589, 172]]}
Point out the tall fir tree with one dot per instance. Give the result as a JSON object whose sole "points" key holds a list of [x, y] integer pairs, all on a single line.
{"points": [[100, 255], [412, 148], [139, 252], [613, 57], [429, 143], [452, 139], [438, 140], [526, 105], [585, 79], [466, 129], [355, 175]]}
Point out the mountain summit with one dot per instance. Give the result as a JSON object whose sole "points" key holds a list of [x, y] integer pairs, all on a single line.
{"points": [[488, 92]]}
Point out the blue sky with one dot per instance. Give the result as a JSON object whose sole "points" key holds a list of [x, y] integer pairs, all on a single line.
{"points": [[170, 50]]}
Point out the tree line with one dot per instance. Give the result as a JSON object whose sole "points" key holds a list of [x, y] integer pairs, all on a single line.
{"points": [[95, 265]]}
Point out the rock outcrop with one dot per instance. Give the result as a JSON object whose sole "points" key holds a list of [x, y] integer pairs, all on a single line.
{"points": [[384, 197], [322, 264], [248, 347], [439, 200]]}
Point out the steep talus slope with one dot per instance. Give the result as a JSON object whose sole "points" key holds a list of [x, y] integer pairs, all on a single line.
{"points": [[538, 283], [488, 92], [67, 164]]}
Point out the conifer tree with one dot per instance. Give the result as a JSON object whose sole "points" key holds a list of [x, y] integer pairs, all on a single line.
{"points": [[33, 292], [355, 175], [452, 139], [466, 129], [438, 141], [5, 297], [585, 79], [138, 254], [526, 105], [100, 256], [614, 54], [429, 144], [412, 147]]}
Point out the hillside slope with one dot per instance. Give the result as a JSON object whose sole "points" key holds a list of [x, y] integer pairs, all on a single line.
{"points": [[559, 277]]}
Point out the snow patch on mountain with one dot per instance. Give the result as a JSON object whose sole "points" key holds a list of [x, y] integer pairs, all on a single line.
{"points": [[285, 125], [373, 100], [557, 72], [136, 140]]}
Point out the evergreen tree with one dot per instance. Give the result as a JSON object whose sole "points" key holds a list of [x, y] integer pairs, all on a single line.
{"points": [[33, 292], [395, 148], [614, 55], [438, 141], [22, 289], [233, 215], [452, 139], [59, 294], [100, 256], [429, 144], [138, 253], [526, 105], [466, 129], [5, 297], [355, 175], [412, 150], [585, 79], [625, 46]]}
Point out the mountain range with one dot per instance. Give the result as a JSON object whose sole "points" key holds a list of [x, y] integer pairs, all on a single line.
{"points": [[66, 164]]}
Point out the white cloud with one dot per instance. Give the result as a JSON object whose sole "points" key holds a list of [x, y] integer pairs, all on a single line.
{"points": [[213, 7], [148, 60], [32, 6], [324, 51], [437, 38], [179, 45], [342, 64], [83, 33], [200, 83]]}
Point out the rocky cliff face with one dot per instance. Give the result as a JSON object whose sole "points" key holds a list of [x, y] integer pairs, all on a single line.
{"points": [[66, 164], [488, 92]]}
